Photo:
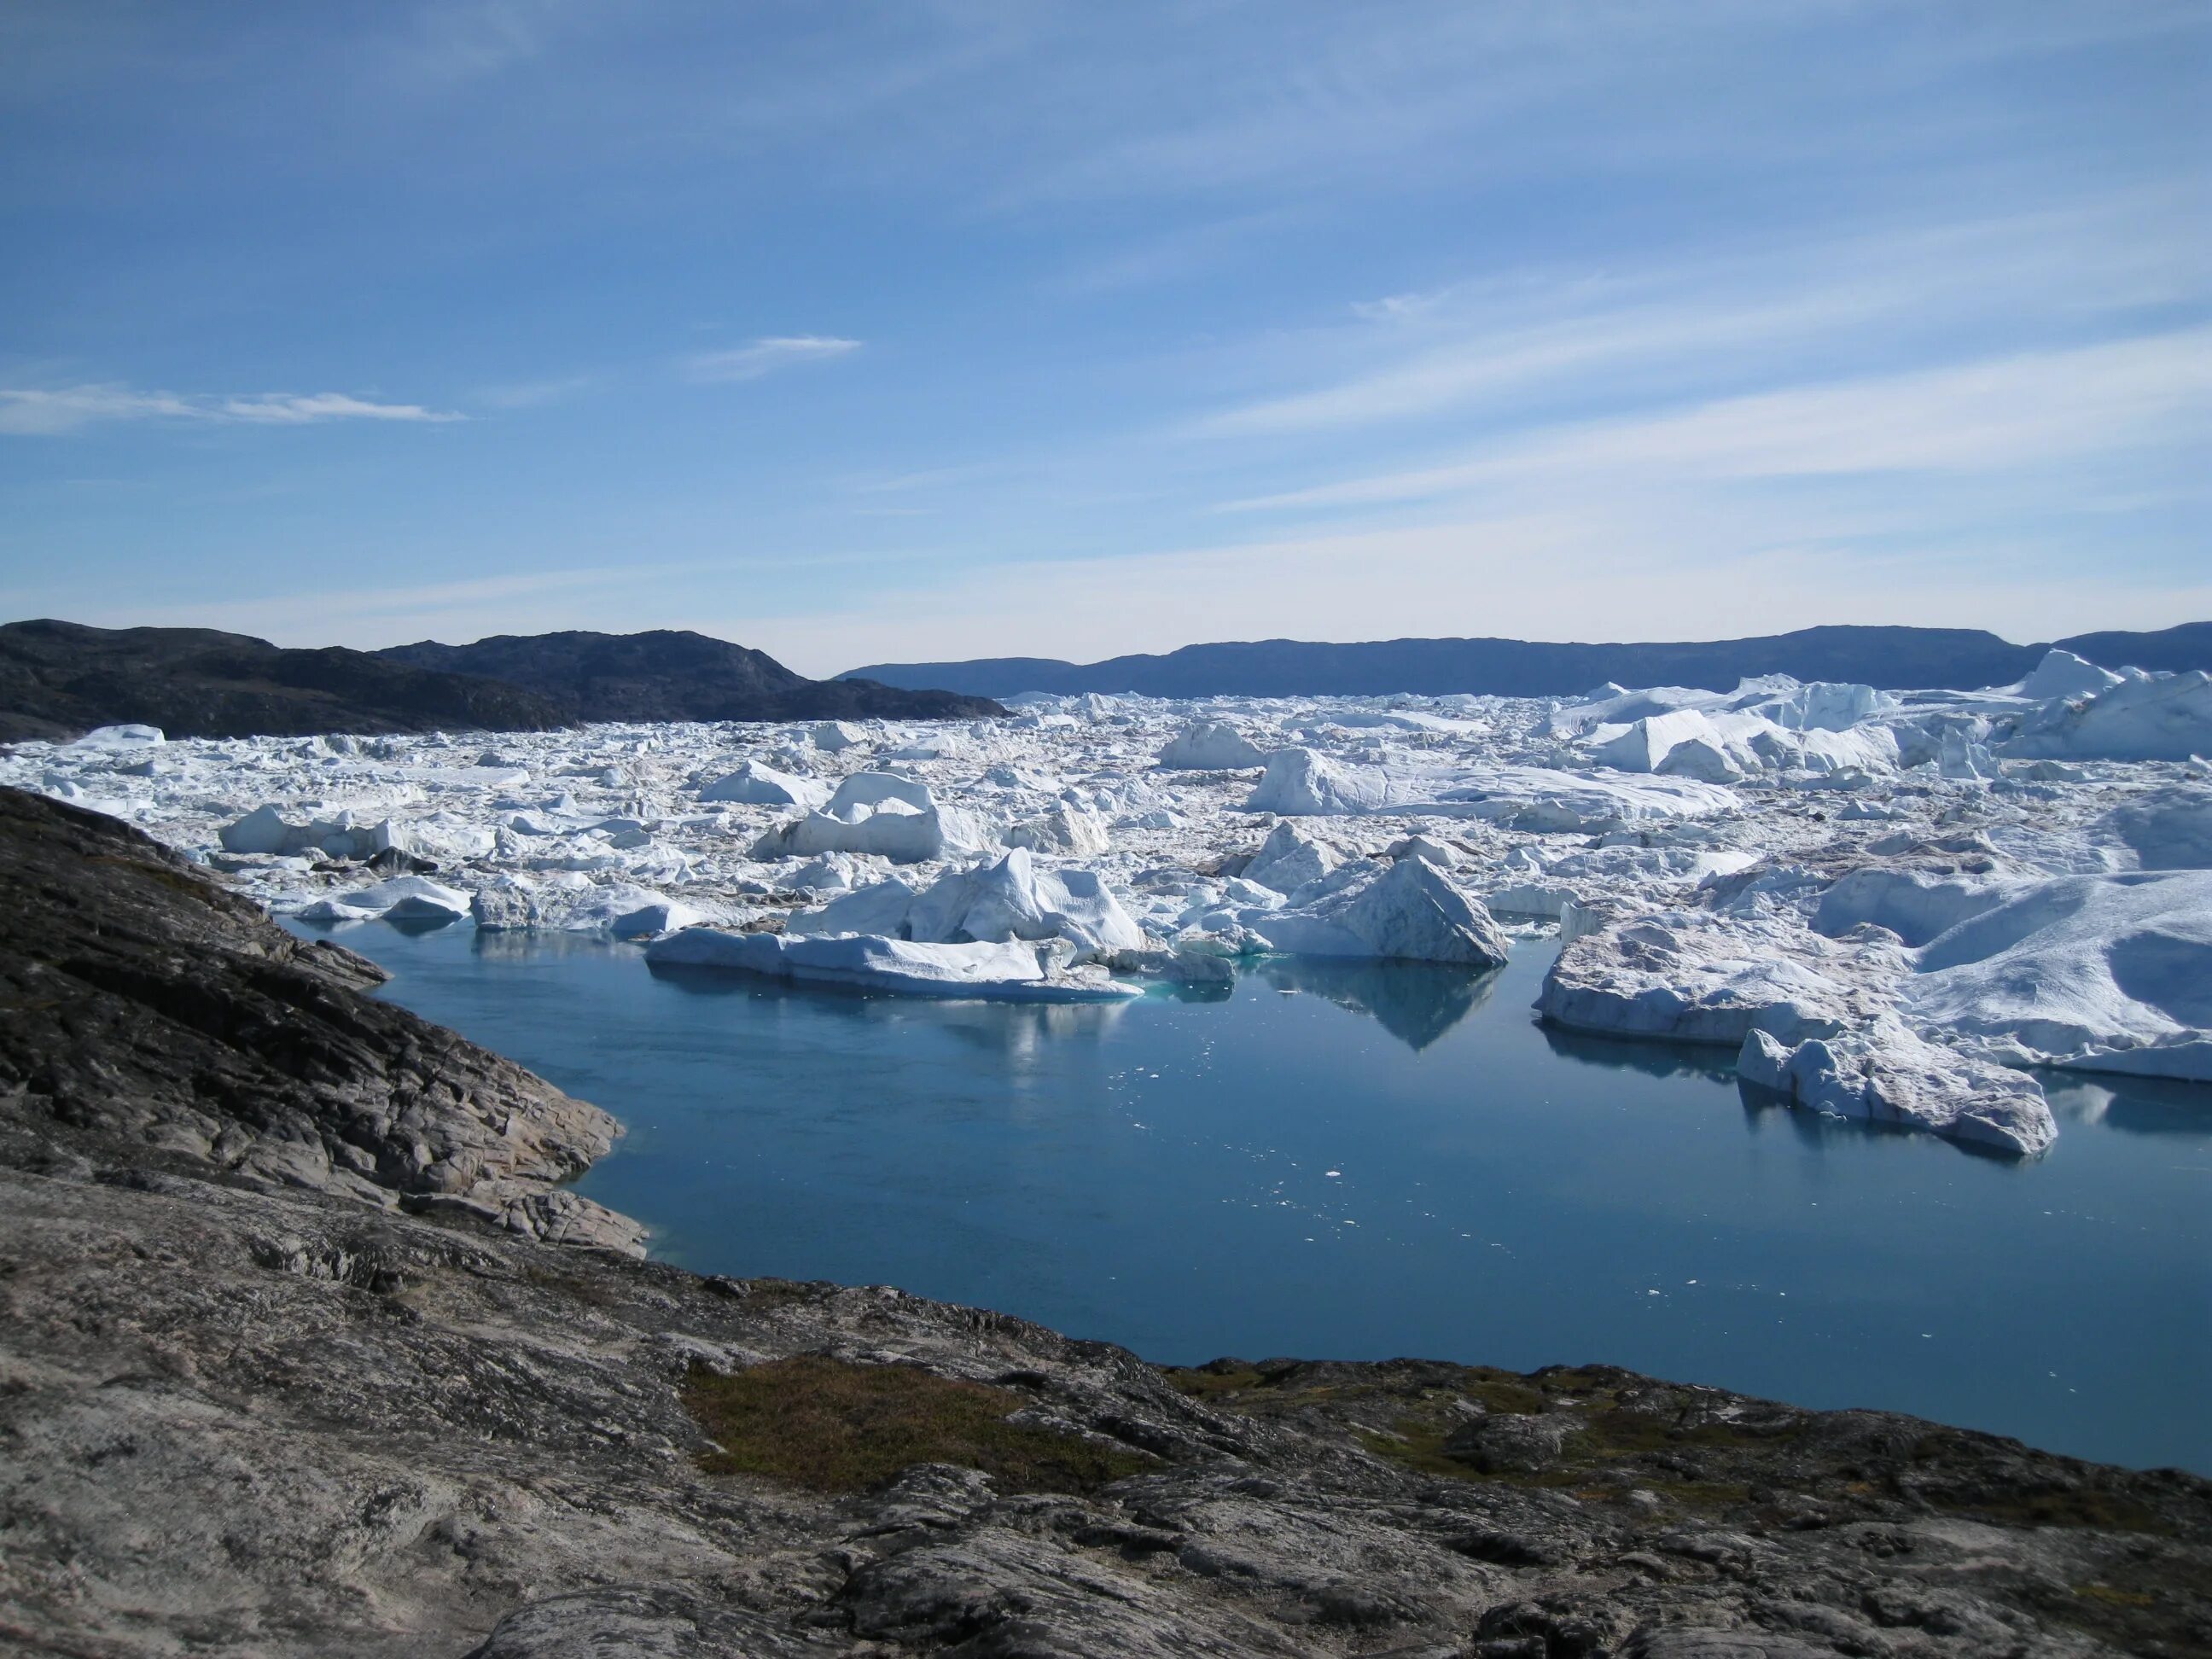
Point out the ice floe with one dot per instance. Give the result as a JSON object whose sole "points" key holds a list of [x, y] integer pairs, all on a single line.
{"points": [[1894, 907]]}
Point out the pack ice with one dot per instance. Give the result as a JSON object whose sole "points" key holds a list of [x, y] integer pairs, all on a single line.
{"points": [[1890, 907]]}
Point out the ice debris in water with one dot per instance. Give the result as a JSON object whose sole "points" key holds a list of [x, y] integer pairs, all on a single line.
{"points": [[1891, 906]]}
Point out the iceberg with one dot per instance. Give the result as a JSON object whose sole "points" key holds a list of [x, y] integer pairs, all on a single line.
{"points": [[880, 813], [1299, 783], [1409, 911], [1011, 900], [1885, 1074], [755, 785], [1211, 746], [2158, 717], [999, 972]]}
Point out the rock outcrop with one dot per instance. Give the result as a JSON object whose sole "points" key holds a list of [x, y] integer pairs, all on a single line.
{"points": [[157, 1020], [248, 1408]]}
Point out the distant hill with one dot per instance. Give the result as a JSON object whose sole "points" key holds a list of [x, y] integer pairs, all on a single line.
{"points": [[60, 679], [679, 675], [1892, 658]]}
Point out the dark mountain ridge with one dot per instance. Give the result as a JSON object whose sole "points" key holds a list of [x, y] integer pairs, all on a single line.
{"points": [[1889, 658], [58, 679], [675, 675]]}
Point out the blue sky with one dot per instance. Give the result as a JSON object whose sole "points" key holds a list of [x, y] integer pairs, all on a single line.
{"points": [[945, 328]]}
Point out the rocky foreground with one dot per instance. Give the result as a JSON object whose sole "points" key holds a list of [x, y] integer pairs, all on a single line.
{"points": [[304, 1352]]}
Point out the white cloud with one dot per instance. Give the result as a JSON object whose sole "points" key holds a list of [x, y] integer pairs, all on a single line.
{"points": [[26, 411], [768, 355]]}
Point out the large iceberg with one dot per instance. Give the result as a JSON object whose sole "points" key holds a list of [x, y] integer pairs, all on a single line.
{"points": [[756, 785], [1011, 899], [1211, 746], [1299, 783], [2156, 717], [885, 814], [1408, 911], [999, 972], [1885, 1074]]}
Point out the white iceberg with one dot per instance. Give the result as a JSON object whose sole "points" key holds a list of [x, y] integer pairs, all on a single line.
{"points": [[1010, 900], [755, 785], [1885, 1074], [2158, 717], [1409, 911], [403, 898], [1301, 783], [1211, 746], [1011, 971]]}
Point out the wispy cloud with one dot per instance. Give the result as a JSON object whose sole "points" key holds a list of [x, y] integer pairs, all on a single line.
{"points": [[38, 412], [768, 355], [536, 394], [1992, 415], [1759, 312]]}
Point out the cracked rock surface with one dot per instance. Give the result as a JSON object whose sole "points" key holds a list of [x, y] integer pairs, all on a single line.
{"points": [[244, 1410]]}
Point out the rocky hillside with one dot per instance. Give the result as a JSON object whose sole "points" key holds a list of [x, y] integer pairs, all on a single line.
{"points": [[302, 1353], [60, 679], [678, 676]]}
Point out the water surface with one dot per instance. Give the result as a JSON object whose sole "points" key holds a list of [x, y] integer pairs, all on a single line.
{"points": [[1361, 1162]]}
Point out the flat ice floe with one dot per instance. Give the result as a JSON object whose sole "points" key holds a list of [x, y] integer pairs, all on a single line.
{"points": [[1889, 906]]}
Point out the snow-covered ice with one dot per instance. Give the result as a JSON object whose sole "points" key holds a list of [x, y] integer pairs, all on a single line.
{"points": [[1891, 906]]}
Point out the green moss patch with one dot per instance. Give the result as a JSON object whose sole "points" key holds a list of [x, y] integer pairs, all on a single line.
{"points": [[834, 1426]]}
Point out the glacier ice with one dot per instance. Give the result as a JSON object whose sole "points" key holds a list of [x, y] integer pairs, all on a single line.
{"points": [[1891, 906]]}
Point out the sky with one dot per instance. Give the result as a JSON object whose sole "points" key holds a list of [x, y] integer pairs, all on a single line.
{"points": [[933, 329]]}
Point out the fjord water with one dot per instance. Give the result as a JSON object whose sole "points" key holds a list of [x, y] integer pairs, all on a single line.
{"points": [[1362, 1161]]}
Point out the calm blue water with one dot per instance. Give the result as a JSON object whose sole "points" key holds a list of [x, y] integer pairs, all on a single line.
{"points": [[1360, 1163]]}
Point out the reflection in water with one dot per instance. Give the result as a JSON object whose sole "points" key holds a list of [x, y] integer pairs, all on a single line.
{"points": [[1614, 1054], [1012, 1028], [1272, 1174], [2140, 1105], [1417, 1002]]}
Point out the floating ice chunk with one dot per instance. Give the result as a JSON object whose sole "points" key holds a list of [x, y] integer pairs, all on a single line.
{"points": [[1211, 746], [1885, 1073], [1300, 783], [2062, 674], [263, 830], [831, 736], [1011, 899], [1689, 976], [831, 873], [1407, 911], [1820, 705], [2158, 717], [1068, 828], [1529, 898], [1003, 972], [881, 813], [403, 898], [1290, 859], [119, 737], [756, 785], [1643, 744], [1544, 800]]}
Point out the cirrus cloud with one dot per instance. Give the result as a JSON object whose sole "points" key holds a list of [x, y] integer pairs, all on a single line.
{"points": [[768, 354], [46, 411]]}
